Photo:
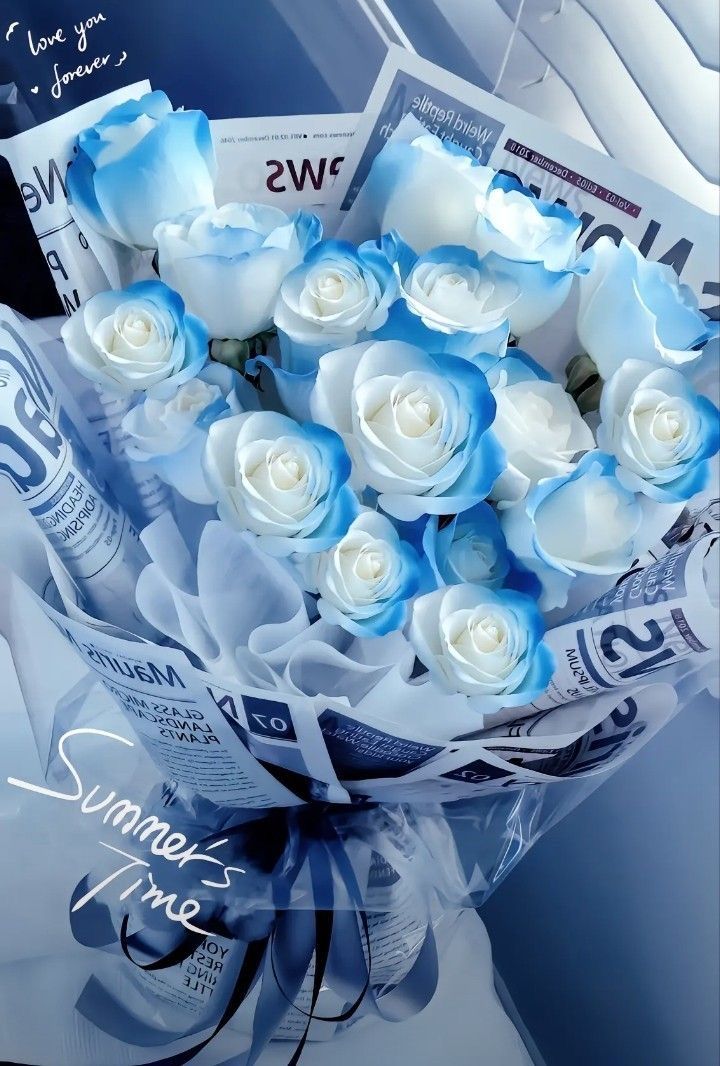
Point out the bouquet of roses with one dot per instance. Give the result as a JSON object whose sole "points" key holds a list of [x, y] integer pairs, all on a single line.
{"points": [[426, 484], [325, 493]]}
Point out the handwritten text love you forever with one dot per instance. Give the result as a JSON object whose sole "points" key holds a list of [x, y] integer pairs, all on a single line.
{"points": [[77, 37]]}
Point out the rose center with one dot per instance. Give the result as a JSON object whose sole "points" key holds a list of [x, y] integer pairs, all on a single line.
{"points": [[331, 286], [488, 633], [287, 469], [453, 280], [370, 564], [194, 397], [135, 330], [541, 421], [417, 412], [668, 426]]}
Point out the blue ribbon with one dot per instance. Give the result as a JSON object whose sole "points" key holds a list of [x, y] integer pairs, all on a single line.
{"points": [[295, 847]]}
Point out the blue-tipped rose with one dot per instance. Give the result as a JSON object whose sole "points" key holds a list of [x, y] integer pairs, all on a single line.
{"points": [[470, 548], [631, 308], [366, 580], [338, 295], [141, 163], [662, 433], [228, 262], [287, 483], [427, 190], [484, 644], [417, 426], [533, 241], [582, 522], [449, 301], [136, 339]]}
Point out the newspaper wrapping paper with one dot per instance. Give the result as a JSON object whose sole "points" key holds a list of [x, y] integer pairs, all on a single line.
{"points": [[81, 263], [291, 161], [655, 617], [47, 463], [219, 737], [692, 522], [609, 199]]}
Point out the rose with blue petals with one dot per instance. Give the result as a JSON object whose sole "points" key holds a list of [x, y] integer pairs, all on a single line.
{"points": [[534, 242], [336, 296], [662, 433], [286, 483], [427, 190], [169, 434], [584, 522], [487, 645], [418, 426], [450, 301], [470, 548], [632, 308], [366, 581], [136, 339], [140, 164], [228, 263]]}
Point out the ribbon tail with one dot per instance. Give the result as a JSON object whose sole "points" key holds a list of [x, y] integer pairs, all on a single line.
{"points": [[416, 989]]}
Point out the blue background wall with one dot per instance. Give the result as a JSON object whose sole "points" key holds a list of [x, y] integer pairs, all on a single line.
{"points": [[607, 932]]}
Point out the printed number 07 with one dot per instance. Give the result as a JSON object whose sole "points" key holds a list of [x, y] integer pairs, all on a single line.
{"points": [[278, 724]]}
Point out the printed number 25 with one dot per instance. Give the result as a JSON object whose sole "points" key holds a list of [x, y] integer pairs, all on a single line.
{"points": [[653, 642]]}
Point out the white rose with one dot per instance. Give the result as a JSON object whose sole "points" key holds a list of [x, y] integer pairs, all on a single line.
{"points": [[484, 644], [228, 262], [660, 321], [170, 433], [131, 340], [538, 425], [660, 430], [142, 162], [417, 426], [336, 294], [366, 579], [535, 242], [161, 427], [458, 296], [582, 522], [284, 482], [521, 227], [427, 192]]}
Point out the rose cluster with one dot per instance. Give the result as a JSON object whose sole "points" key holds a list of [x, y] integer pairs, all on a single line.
{"points": [[411, 464]]}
